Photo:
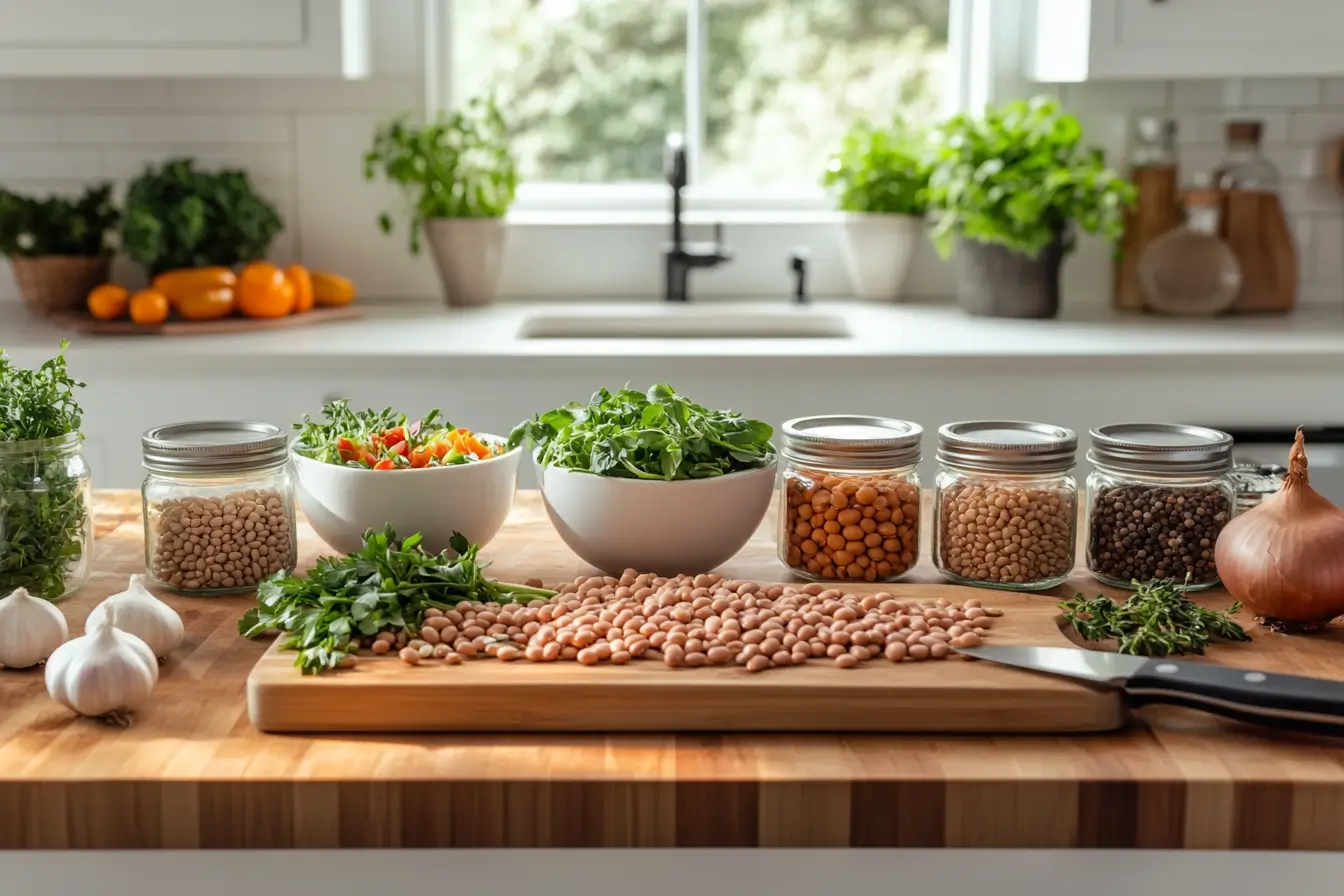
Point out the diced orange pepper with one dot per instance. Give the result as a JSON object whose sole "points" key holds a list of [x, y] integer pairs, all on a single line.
{"points": [[384, 464], [441, 449], [420, 457]]}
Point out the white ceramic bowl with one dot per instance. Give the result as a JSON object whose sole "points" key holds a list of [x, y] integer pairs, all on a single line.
{"points": [[668, 528], [474, 499]]}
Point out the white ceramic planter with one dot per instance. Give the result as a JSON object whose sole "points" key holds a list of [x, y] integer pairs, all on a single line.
{"points": [[473, 498], [469, 256], [877, 252], [668, 528]]}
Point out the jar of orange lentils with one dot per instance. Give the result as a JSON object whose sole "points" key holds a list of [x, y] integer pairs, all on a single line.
{"points": [[849, 498]]}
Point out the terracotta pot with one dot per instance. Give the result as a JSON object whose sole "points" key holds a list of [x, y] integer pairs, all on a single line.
{"points": [[469, 256], [51, 284], [877, 252]]}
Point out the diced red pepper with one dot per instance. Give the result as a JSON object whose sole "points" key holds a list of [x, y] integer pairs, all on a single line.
{"points": [[384, 464]]}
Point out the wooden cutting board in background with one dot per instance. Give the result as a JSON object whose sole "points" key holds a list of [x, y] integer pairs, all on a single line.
{"points": [[954, 695], [88, 326]]}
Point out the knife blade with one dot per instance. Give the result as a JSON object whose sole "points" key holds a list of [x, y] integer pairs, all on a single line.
{"points": [[1290, 702]]}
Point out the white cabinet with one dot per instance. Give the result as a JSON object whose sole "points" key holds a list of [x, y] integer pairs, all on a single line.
{"points": [[184, 38], [1079, 40]]}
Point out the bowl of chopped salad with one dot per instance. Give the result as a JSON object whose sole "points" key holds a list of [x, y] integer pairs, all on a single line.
{"points": [[359, 470]]}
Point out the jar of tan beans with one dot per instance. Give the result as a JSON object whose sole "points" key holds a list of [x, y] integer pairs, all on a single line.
{"points": [[1005, 504], [218, 506], [849, 498]]}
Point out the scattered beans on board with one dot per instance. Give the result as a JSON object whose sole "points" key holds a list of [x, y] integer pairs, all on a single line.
{"points": [[1142, 532], [213, 543], [702, 620], [1000, 533], [857, 528]]}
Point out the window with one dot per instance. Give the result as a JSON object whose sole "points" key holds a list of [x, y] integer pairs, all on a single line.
{"points": [[594, 86]]}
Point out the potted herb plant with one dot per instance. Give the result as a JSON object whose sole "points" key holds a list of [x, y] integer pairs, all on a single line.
{"points": [[178, 216], [881, 180], [1008, 191], [59, 247], [457, 176]]}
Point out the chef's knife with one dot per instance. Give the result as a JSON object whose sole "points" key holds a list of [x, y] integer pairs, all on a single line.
{"points": [[1263, 698]]}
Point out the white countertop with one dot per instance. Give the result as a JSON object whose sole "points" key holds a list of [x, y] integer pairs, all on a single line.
{"points": [[919, 336]]}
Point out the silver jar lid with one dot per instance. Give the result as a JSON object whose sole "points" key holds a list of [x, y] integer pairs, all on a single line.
{"points": [[1161, 449], [214, 446], [1007, 446], [852, 441]]}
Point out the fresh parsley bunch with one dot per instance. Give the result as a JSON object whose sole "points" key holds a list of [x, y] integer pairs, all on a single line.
{"points": [[1158, 619], [387, 584], [1020, 176], [43, 504], [647, 435]]}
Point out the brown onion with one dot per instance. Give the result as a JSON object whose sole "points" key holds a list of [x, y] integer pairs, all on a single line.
{"points": [[1284, 558]]}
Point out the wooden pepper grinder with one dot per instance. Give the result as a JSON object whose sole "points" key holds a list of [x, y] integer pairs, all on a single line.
{"points": [[1153, 171], [1254, 224]]}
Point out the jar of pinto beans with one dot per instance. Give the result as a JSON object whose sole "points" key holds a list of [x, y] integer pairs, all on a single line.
{"points": [[849, 498], [1157, 500], [1005, 504]]}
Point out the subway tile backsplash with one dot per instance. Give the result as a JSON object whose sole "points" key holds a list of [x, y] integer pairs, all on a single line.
{"points": [[302, 139]]}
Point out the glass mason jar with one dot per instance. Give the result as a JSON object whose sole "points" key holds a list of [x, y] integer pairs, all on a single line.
{"points": [[1005, 504], [218, 506], [46, 517], [849, 498], [1157, 500]]}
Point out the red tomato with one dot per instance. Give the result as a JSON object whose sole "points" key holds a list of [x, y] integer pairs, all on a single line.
{"points": [[394, 435], [384, 464]]}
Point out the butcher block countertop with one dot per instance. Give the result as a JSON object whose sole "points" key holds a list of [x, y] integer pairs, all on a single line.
{"points": [[192, 772]]}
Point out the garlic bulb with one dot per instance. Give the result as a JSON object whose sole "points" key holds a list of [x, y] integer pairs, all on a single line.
{"points": [[30, 629], [107, 672], [142, 614]]}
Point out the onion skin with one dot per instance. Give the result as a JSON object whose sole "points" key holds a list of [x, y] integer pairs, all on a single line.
{"points": [[1284, 558]]}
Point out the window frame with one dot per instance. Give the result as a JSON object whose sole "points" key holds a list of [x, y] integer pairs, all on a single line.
{"points": [[984, 43]]}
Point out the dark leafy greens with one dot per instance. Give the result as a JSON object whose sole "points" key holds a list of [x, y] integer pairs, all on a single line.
{"points": [[387, 584], [653, 435], [58, 225], [43, 504], [1158, 619]]}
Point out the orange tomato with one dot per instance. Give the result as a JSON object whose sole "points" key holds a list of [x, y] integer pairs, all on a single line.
{"points": [[264, 291], [109, 301], [205, 304], [332, 290], [181, 283], [298, 275], [149, 306]]}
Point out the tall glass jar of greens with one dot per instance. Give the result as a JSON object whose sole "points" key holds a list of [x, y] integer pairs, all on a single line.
{"points": [[46, 518]]}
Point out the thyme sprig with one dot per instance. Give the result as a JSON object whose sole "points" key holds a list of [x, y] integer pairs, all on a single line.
{"points": [[1158, 619]]}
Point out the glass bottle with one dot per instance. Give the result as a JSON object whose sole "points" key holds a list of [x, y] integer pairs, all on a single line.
{"points": [[218, 506], [1153, 171], [1191, 270], [1157, 499], [1005, 504], [1254, 224], [849, 498], [46, 516]]}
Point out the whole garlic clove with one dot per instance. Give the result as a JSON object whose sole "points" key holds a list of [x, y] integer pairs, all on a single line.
{"points": [[106, 672], [142, 614], [30, 630]]}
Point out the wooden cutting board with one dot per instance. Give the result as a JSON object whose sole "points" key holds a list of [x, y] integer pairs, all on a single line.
{"points": [[954, 695], [88, 326]]}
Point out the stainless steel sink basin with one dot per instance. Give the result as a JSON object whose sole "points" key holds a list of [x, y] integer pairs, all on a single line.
{"points": [[687, 323]]}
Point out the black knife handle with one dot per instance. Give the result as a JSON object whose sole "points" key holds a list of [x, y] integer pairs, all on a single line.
{"points": [[1263, 698]]}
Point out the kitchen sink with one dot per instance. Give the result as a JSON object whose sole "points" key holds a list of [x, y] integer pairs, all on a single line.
{"points": [[687, 323]]}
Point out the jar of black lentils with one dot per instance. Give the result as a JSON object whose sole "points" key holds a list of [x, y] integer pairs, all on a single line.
{"points": [[1157, 500], [1005, 504]]}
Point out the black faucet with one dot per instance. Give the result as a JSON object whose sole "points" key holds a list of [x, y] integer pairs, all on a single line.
{"points": [[680, 256]]}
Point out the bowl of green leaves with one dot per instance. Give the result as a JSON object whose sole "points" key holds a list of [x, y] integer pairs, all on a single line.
{"points": [[651, 480]]}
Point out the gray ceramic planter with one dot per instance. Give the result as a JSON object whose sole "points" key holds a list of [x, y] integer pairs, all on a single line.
{"points": [[993, 281]]}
